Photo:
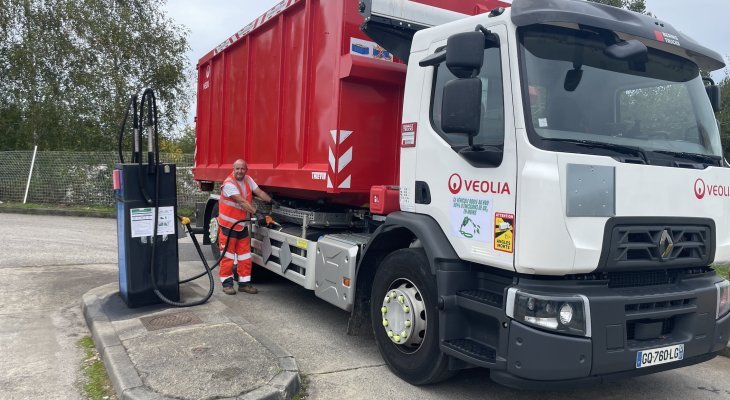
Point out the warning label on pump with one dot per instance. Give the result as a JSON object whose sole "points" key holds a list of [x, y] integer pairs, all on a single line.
{"points": [[470, 217], [141, 221], [504, 232]]}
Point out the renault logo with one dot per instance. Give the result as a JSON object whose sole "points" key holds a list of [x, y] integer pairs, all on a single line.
{"points": [[666, 245]]}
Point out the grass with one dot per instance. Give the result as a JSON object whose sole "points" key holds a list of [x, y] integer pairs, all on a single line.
{"points": [[96, 381], [302, 395], [59, 206], [722, 270]]}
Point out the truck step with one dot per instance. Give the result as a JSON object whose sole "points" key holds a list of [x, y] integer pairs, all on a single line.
{"points": [[482, 296], [471, 351]]}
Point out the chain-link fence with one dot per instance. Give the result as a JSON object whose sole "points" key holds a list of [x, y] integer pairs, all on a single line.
{"points": [[80, 178]]}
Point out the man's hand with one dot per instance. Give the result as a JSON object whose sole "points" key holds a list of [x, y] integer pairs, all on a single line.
{"points": [[249, 207], [243, 203]]}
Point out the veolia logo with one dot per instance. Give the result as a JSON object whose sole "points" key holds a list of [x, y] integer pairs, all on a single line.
{"points": [[703, 190], [207, 71], [700, 189], [455, 183]]}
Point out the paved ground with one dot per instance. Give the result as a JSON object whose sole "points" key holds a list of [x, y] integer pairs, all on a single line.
{"points": [[45, 268], [48, 263]]}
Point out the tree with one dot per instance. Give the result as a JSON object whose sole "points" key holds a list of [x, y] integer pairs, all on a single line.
{"points": [[69, 66], [633, 5]]}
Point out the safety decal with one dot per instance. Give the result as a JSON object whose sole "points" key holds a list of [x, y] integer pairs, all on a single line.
{"points": [[470, 218], [142, 221], [504, 232], [365, 48], [340, 157], [408, 134]]}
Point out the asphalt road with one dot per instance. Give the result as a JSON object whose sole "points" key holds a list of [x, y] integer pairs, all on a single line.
{"points": [[47, 263]]}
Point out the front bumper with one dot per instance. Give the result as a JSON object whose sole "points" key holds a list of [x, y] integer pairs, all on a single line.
{"points": [[538, 359]]}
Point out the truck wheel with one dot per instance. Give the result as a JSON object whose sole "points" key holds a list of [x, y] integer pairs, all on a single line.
{"points": [[213, 232], [405, 318]]}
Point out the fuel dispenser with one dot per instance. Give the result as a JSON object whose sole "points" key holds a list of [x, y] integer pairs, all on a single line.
{"points": [[147, 221], [135, 219]]}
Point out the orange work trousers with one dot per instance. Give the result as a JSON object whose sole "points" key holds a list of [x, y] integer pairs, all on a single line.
{"points": [[238, 253]]}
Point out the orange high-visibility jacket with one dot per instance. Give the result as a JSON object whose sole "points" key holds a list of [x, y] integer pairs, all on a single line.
{"points": [[228, 210]]}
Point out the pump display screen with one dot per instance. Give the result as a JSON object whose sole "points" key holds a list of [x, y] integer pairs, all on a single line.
{"points": [[577, 92]]}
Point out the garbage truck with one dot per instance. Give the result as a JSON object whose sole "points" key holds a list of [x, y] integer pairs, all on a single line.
{"points": [[537, 188]]}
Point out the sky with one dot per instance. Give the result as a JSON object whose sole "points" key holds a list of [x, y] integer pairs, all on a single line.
{"points": [[212, 21]]}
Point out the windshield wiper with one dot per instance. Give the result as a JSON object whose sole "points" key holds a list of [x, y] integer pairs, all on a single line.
{"points": [[703, 158], [619, 148]]}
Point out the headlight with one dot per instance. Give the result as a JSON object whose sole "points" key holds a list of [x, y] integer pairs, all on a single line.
{"points": [[723, 298], [564, 314]]}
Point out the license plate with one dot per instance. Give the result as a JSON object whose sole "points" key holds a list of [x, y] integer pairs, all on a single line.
{"points": [[662, 355]]}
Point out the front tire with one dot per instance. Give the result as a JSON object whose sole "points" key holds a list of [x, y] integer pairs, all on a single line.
{"points": [[405, 318]]}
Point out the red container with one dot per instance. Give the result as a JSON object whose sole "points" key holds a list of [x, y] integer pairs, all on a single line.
{"points": [[309, 101], [384, 199]]}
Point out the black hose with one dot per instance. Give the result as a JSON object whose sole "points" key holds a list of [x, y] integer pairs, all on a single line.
{"points": [[131, 103], [135, 128], [220, 258], [208, 271]]}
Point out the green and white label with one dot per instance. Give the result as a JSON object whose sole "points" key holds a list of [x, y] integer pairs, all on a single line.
{"points": [[141, 221], [470, 218]]}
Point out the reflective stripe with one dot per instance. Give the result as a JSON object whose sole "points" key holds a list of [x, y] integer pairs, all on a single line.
{"points": [[244, 279], [223, 278], [228, 219], [232, 204], [244, 256], [229, 210], [232, 256]]}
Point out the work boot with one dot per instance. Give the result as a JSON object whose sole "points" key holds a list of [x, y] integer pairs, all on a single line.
{"points": [[248, 288], [229, 290]]}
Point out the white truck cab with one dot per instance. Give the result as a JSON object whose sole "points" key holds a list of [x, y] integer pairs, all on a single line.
{"points": [[565, 181]]}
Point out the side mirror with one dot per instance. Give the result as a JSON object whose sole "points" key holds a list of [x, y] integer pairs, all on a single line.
{"points": [[465, 54], [713, 92], [461, 106]]}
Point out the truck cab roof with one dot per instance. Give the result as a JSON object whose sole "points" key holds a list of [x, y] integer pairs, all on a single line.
{"points": [[584, 13]]}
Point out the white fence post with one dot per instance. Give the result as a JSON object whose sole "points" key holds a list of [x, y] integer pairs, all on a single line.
{"points": [[30, 173]]}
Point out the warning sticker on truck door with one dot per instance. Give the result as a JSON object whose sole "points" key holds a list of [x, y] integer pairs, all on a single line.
{"points": [[504, 232]]}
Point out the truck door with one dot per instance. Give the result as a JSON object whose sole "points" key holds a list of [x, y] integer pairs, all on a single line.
{"points": [[473, 202]]}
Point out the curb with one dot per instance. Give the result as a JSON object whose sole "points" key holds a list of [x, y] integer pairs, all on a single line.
{"points": [[129, 385], [56, 211]]}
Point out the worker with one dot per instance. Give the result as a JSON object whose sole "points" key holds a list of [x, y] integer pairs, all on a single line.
{"points": [[236, 203]]}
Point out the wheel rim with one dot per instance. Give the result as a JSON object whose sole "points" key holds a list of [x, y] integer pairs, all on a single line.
{"points": [[213, 230], [404, 315]]}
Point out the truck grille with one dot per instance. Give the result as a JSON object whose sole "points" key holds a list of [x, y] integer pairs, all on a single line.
{"points": [[668, 305], [647, 246], [642, 278]]}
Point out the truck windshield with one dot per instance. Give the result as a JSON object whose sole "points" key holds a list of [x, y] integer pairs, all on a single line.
{"points": [[578, 99]]}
